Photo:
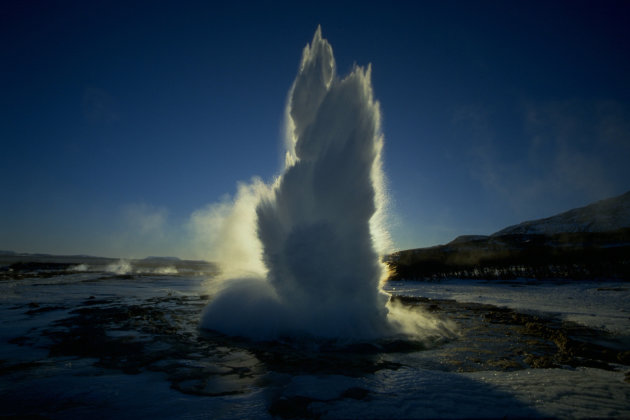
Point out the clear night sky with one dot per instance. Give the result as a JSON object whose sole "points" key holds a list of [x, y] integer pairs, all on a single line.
{"points": [[120, 119]]}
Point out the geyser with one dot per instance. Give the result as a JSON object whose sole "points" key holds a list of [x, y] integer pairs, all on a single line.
{"points": [[319, 223]]}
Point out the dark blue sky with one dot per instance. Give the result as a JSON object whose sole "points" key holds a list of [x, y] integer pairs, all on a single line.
{"points": [[121, 119]]}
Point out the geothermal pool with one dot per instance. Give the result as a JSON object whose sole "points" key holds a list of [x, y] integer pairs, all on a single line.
{"points": [[101, 344]]}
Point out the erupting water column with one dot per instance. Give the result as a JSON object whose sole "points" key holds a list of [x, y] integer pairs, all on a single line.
{"points": [[319, 223]]}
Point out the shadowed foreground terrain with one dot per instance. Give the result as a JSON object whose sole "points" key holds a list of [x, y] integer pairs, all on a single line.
{"points": [[87, 343]]}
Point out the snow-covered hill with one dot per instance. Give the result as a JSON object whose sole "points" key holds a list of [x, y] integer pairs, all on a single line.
{"points": [[601, 216], [584, 243]]}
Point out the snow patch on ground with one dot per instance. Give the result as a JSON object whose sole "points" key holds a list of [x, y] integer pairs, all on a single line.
{"points": [[580, 393], [413, 393], [602, 305]]}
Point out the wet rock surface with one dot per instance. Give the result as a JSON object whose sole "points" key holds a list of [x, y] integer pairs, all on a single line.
{"points": [[160, 334], [492, 337]]}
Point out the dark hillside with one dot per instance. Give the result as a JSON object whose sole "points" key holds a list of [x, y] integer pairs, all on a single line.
{"points": [[583, 243], [564, 255]]}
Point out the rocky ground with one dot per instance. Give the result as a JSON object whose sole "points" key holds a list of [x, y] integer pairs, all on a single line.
{"points": [[500, 338], [160, 334]]}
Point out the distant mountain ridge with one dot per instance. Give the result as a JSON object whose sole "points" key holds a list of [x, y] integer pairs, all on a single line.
{"points": [[602, 216], [587, 242]]}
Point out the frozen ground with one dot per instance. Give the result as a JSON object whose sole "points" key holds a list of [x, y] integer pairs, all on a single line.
{"points": [[104, 345], [603, 305]]}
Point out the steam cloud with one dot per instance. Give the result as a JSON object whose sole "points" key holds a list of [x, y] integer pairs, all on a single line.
{"points": [[320, 224]]}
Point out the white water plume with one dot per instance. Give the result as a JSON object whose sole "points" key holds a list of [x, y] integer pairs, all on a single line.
{"points": [[120, 267], [320, 225]]}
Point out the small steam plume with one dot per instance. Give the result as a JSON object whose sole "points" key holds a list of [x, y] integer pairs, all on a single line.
{"points": [[226, 231], [320, 225]]}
